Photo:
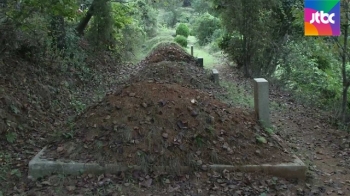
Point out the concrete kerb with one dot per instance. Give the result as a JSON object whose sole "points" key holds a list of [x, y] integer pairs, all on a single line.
{"points": [[40, 167]]}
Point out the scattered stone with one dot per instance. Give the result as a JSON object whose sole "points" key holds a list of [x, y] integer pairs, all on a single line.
{"points": [[126, 184], [46, 183], [165, 135], [60, 149], [147, 183], [70, 188], [167, 181], [193, 101], [210, 120], [194, 113]]}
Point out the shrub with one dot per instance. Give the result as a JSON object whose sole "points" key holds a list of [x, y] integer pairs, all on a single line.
{"points": [[205, 27], [181, 40], [183, 30]]}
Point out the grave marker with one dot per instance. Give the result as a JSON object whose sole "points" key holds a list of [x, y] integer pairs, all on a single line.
{"points": [[200, 61], [261, 101], [215, 76]]}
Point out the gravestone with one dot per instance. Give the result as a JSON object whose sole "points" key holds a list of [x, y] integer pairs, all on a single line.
{"points": [[215, 76], [200, 62], [192, 50], [261, 101]]}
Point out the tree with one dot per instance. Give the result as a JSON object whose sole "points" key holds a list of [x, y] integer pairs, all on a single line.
{"points": [[250, 39], [101, 34], [342, 42], [58, 32], [201, 6], [85, 20]]}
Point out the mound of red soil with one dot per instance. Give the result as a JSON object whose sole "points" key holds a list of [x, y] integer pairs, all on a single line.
{"points": [[169, 52], [153, 124], [184, 74]]}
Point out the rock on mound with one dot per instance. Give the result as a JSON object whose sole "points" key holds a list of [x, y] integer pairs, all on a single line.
{"points": [[152, 124], [169, 52]]}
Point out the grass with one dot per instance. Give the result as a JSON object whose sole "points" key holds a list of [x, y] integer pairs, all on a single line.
{"points": [[236, 95], [209, 60], [163, 31]]}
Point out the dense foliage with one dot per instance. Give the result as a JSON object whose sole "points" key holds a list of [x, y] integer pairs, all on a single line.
{"points": [[265, 39], [204, 28], [183, 30], [182, 40]]}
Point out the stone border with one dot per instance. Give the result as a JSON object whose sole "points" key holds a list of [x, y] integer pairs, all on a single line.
{"points": [[41, 167]]}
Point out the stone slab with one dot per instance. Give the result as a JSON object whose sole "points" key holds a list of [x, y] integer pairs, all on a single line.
{"points": [[40, 167]]}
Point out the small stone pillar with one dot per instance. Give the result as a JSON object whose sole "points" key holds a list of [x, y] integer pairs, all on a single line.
{"points": [[261, 101], [215, 76], [191, 50], [200, 62]]}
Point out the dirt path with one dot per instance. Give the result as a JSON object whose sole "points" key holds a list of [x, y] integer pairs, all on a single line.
{"points": [[311, 137]]}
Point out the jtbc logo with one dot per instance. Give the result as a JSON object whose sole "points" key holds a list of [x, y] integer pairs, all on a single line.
{"points": [[316, 17]]}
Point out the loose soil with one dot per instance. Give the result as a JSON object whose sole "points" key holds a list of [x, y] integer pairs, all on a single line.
{"points": [[169, 52], [138, 183], [324, 148], [186, 75], [166, 124], [161, 118]]}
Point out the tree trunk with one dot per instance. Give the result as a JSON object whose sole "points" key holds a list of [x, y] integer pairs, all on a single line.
{"points": [[3, 3], [344, 102], [344, 61], [83, 23]]}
